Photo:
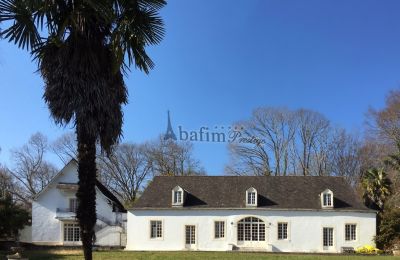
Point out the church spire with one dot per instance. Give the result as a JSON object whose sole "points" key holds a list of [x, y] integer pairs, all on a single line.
{"points": [[170, 133]]}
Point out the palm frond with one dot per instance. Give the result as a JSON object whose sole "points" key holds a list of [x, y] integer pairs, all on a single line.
{"points": [[154, 4], [137, 25], [23, 31]]}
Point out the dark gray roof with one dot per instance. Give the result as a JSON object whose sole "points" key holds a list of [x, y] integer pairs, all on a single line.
{"points": [[274, 192]]}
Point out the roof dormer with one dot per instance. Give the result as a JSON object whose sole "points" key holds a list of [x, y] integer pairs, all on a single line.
{"points": [[178, 196], [327, 199], [251, 197]]}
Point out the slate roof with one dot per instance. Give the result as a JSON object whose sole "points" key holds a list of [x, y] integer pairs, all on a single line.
{"points": [[228, 192]]}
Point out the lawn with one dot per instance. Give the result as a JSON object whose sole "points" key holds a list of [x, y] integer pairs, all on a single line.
{"points": [[75, 254]]}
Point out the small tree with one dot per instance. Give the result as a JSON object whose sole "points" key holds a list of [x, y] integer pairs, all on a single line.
{"points": [[12, 218]]}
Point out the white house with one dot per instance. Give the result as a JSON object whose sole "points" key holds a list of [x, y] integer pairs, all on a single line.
{"points": [[53, 213], [278, 214]]}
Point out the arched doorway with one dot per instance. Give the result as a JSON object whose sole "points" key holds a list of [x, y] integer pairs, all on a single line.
{"points": [[251, 232]]}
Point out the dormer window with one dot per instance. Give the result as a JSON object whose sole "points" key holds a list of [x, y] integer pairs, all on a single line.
{"points": [[327, 199], [177, 196], [251, 197]]}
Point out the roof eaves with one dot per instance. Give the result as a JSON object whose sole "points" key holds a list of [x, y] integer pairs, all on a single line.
{"points": [[260, 208], [54, 178]]}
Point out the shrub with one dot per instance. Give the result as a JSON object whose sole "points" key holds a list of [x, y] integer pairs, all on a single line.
{"points": [[12, 218], [368, 249], [388, 228]]}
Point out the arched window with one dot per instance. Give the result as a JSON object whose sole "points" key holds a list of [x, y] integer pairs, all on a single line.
{"points": [[251, 229]]}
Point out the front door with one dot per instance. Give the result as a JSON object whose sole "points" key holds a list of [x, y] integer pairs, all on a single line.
{"points": [[327, 238], [71, 234], [190, 236], [251, 232]]}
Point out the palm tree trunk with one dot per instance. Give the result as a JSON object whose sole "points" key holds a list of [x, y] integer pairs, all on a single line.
{"points": [[86, 213]]}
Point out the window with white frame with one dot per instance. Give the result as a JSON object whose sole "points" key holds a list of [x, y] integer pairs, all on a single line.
{"points": [[327, 237], [350, 232], [327, 199], [72, 232], [251, 197], [190, 235], [156, 229], [177, 196], [73, 204], [251, 229], [282, 230], [219, 229]]}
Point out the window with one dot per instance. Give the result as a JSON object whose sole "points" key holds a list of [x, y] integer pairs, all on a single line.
{"points": [[178, 197], [251, 229], [190, 235], [251, 197], [282, 231], [219, 229], [73, 205], [328, 237], [327, 199], [350, 232], [155, 229], [72, 232]]}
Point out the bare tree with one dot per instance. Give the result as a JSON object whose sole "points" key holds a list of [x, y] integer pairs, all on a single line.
{"points": [[373, 153], [320, 156], [383, 140], [248, 159], [293, 141], [65, 147], [344, 156], [31, 172], [384, 124], [311, 132], [270, 131], [168, 157], [125, 171]]}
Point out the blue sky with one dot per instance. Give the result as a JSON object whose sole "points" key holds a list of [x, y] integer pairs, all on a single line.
{"points": [[221, 59]]}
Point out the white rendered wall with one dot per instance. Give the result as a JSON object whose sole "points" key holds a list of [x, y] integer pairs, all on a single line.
{"points": [[25, 234], [304, 231], [110, 236], [46, 229]]}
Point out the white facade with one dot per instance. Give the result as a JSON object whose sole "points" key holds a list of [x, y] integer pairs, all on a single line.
{"points": [[304, 229], [52, 214]]}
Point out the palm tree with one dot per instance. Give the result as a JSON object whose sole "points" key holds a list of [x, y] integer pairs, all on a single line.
{"points": [[83, 48], [377, 187]]}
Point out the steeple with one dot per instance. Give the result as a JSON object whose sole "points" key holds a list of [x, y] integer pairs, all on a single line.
{"points": [[170, 133]]}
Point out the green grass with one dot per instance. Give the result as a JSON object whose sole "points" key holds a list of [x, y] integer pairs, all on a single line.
{"points": [[114, 254]]}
